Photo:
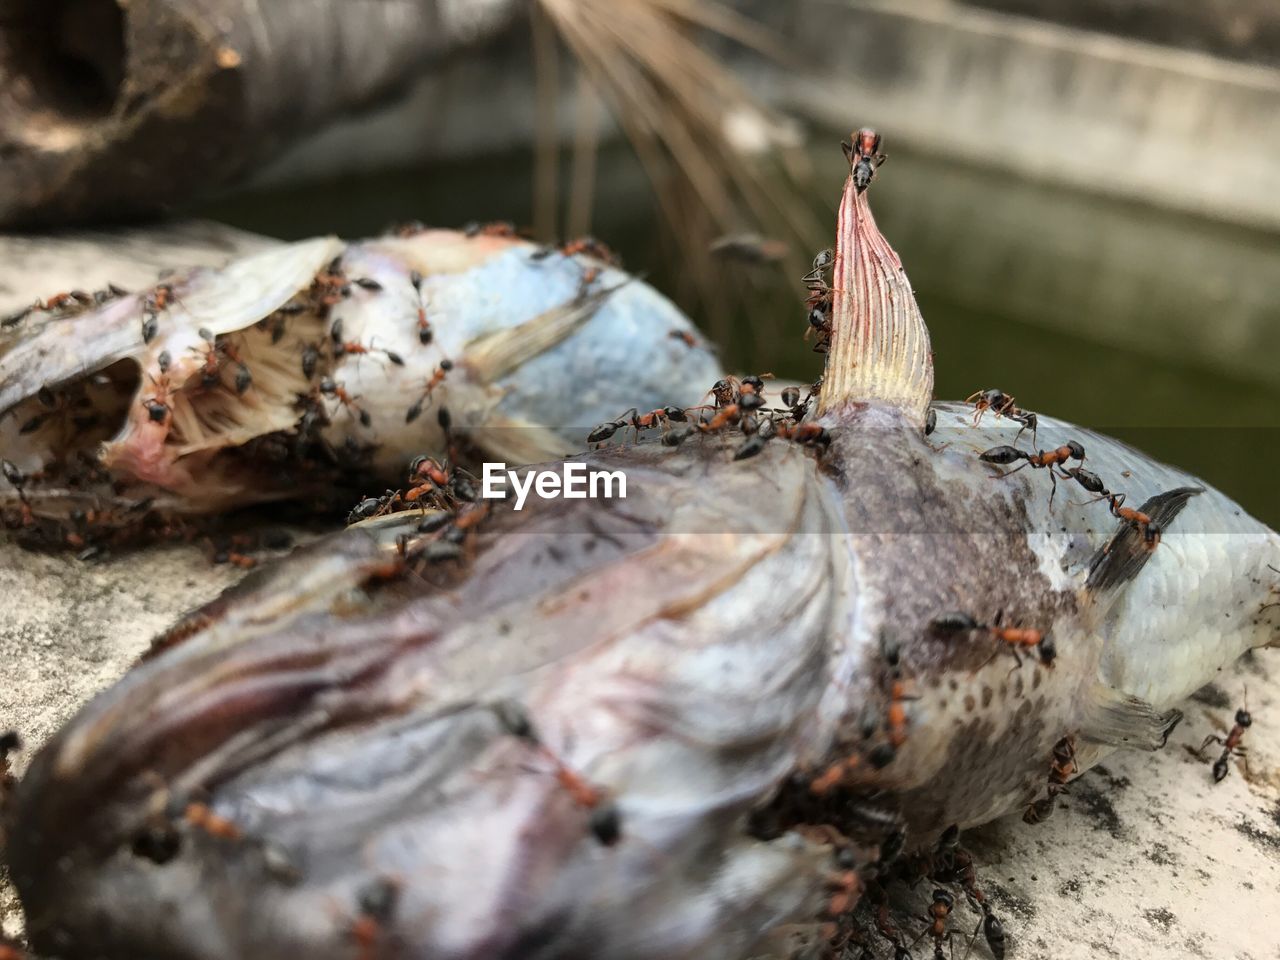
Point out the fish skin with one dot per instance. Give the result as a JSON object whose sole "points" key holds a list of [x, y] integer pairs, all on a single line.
{"points": [[717, 642], [478, 291]]}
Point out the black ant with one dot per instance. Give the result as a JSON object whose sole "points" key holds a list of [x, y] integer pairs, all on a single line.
{"points": [[865, 156]]}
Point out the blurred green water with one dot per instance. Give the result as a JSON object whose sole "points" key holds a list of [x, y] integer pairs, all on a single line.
{"points": [[1156, 327]]}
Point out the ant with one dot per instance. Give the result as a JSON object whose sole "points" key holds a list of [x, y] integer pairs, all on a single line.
{"points": [[591, 247], [1140, 521], [1071, 450], [1231, 745], [997, 400], [495, 228], [63, 303], [348, 348], [377, 903], [425, 333], [685, 337], [818, 302], [1061, 769], [865, 156], [806, 434], [637, 421], [211, 369], [158, 298], [1012, 637], [330, 389], [157, 405], [429, 477], [939, 910], [436, 378], [199, 816], [606, 820]]}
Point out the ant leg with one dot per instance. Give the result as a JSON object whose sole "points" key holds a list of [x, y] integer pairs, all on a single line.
{"points": [[1211, 738]]}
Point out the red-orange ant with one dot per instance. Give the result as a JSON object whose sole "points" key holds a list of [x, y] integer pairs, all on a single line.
{"points": [[159, 298], [939, 910], [330, 389], [1140, 521], [199, 816], [865, 156], [1011, 637], [1231, 745], [591, 247], [685, 337], [436, 378], [425, 333], [496, 228], [1061, 769], [211, 368], [1071, 450], [606, 820], [377, 904], [157, 405], [637, 421]]}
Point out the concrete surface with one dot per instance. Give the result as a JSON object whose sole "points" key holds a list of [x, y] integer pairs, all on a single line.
{"points": [[1147, 858]]}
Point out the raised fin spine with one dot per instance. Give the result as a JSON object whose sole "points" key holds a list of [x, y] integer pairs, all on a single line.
{"points": [[879, 342]]}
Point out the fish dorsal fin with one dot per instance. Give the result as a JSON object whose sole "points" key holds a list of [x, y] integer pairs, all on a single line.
{"points": [[879, 342]]}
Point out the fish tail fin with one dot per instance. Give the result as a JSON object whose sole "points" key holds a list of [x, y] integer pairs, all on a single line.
{"points": [[879, 348]]}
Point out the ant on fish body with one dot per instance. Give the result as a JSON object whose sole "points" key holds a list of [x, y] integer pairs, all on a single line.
{"points": [[865, 156], [637, 421], [1150, 530], [1231, 745], [1011, 637], [211, 368], [1002, 404], [436, 378], [157, 405], [605, 822], [158, 299], [495, 228], [1071, 450], [1061, 769], [425, 333], [330, 389], [377, 903]]}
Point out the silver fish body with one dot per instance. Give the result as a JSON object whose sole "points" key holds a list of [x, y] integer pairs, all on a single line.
{"points": [[696, 653], [289, 369]]}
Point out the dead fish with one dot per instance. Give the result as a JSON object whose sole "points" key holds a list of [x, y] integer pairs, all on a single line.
{"points": [[633, 728], [325, 348]]}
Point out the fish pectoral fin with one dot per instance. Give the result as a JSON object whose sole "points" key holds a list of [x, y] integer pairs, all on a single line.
{"points": [[1117, 719], [1122, 557]]}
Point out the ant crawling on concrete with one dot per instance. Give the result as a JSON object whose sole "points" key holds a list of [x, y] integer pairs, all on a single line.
{"points": [[1231, 745]]}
